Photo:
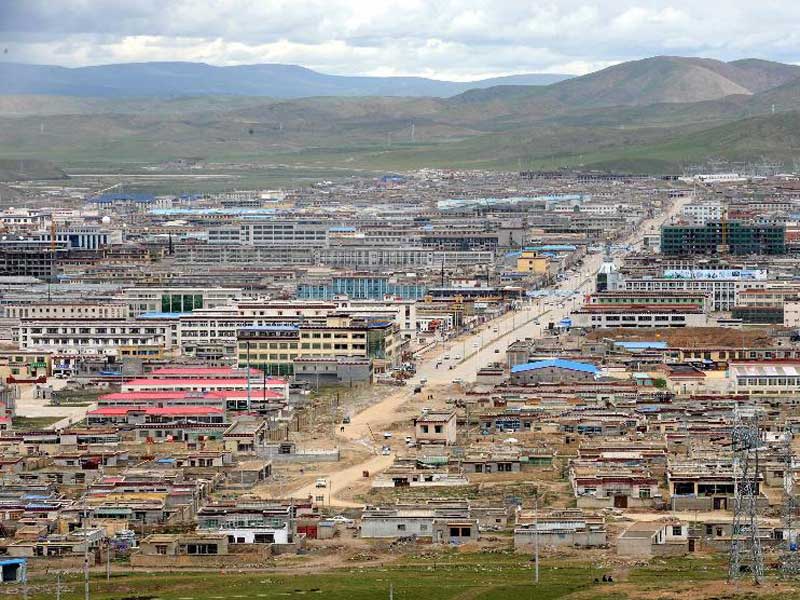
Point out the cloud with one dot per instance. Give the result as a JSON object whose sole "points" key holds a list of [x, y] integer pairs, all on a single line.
{"points": [[453, 39]]}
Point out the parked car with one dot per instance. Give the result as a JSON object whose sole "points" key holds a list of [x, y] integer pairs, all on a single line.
{"points": [[346, 420], [344, 520], [386, 450], [497, 350], [321, 482], [387, 435]]}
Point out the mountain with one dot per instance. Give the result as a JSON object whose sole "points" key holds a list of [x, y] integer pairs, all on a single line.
{"points": [[171, 79], [661, 79], [649, 115]]}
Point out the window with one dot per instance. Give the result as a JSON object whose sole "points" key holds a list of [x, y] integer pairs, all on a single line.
{"points": [[161, 549], [401, 527], [677, 530]]}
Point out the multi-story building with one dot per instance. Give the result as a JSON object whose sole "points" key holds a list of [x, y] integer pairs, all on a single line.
{"points": [[703, 212], [65, 310], [90, 237], [715, 237], [360, 286], [274, 349], [175, 299], [271, 233]]}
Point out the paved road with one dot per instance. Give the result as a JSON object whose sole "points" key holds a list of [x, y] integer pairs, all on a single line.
{"points": [[476, 350]]}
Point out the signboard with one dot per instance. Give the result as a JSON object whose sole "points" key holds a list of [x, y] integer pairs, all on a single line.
{"points": [[741, 274]]}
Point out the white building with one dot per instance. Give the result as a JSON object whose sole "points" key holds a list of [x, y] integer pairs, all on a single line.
{"points": [[701, 212]]}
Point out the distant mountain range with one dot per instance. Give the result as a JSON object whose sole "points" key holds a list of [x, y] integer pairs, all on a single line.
{"points": [[655, 114], [176, 79]]}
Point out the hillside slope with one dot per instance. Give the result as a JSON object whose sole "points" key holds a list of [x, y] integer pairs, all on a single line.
{"points": [[166, 79]]}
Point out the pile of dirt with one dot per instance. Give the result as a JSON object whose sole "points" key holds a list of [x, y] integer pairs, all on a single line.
{"points": [[694, 337]]}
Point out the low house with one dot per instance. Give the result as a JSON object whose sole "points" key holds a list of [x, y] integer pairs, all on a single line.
{"points": [[13, 570], [436, 427], [184, 544], [560, 528], [556, 370], [648, 539], [596, 487], [248, 523], [440, 524], [245, 435], [706, 485]]}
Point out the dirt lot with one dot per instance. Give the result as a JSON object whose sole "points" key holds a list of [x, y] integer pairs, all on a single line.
{"points": [[696, 337]]}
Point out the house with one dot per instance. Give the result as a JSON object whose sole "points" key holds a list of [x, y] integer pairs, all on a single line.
{"points": [[553, 370], [441, 524], [618, 487], [13, 570], [249, 523], [245, 435], [436, 427], [706, 485], [648, 539], [184, 544], [568, 527]]}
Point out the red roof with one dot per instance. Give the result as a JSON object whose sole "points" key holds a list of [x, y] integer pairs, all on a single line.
{"points": [[209, 372], [205, 382], [176, 411], [255, 392], [161, 395]]}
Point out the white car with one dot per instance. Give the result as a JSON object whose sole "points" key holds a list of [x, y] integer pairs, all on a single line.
{"points": [[387, 435], [386, 450], [321, 483], [342, 519], [457, 357]]}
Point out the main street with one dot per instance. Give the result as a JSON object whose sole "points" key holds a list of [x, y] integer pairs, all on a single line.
{"points": [[474, 351]]}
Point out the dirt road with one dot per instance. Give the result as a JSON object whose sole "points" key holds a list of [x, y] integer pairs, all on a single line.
{"points": [[467, 355]]}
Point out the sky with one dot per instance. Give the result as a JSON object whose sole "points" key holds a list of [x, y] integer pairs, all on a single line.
{"points": [[444, 39]]}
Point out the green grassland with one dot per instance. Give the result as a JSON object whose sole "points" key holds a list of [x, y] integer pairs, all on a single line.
{"points": [[451, 575]]}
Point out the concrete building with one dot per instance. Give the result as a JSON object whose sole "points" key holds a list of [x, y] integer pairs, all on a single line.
{"points": [[649, 539], [714, 237], [436, 427], [553, 370]]}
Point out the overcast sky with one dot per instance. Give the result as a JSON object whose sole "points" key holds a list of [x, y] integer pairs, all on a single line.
{"points": [[445, 39]]}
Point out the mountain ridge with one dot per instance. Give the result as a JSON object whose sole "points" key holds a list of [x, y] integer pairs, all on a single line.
{"points": [[171, 79]]}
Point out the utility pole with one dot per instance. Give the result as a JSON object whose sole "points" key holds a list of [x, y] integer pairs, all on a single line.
{"points": [[536, 537], [58, 585], [108, 560], [391, 591]]}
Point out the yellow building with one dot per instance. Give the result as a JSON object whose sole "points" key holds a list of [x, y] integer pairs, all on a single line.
{"points": [[530, 261]]}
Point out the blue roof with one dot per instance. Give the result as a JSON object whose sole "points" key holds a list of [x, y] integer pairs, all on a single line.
{"points": [[654, 345], [122, 196], [553, 248], [271, 328], [162, 315], [13, 561], [558, 363]]}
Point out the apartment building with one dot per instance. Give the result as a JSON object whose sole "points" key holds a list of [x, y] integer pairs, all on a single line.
{"points": [[271, 233], [734, 237], [94, 336], [275, 348], [65, 310], [175, 299]]}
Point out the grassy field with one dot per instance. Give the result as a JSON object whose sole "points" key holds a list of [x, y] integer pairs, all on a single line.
{"points": [[457, 576], [33, 422]]}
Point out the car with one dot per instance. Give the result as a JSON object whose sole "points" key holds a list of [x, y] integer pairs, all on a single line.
{"points": [[387, 435], [497, 350], [321, 482], [409, 439], [423, 381], [458, 381], [456, 357], [386, 450], [346, 420], [418, 389], [447, 357], [344, 520], [476, 345]]}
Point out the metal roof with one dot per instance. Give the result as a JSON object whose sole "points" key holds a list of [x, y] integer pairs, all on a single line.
{"points": [[558, 363]]}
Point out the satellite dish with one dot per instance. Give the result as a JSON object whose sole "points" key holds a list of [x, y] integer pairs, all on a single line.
{"points": [[105, 220]]}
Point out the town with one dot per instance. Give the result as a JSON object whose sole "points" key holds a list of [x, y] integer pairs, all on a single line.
{"points": [[546, 363]]}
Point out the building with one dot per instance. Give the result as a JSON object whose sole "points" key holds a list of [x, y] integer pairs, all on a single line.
{"points": [[553, 370], [570, 527], [361, 286], [649, 539], [436, 427], [531, 261], [765, 377], [274, 349], [598, 316], [704, 211], [175, 299], [715, 237]]}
